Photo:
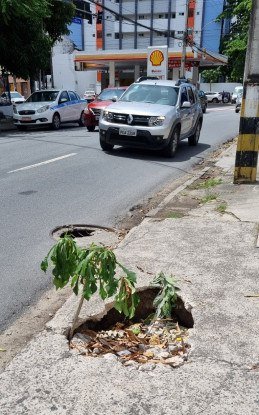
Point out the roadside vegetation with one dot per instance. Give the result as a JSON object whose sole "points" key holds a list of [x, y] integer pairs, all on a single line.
{"points": [[234, 43], [208, 183], [93, 270], [222, 208], [175, 215], [209, 197]]}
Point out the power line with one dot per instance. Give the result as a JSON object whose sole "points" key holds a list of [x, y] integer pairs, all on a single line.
{"points": [[121, 16]]}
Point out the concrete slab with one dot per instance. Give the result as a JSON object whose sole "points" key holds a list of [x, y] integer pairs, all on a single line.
{"points": [[216, 264], [215, 259]]}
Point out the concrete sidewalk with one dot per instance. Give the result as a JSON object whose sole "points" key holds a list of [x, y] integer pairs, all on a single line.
{"points": [[212, 252]]}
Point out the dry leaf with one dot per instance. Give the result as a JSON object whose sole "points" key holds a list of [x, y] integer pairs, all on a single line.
{"points": [[154, 340]]}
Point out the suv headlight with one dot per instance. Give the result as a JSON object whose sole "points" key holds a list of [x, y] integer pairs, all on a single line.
{"points": [[156, 121], [43, 109], [107, 116]]}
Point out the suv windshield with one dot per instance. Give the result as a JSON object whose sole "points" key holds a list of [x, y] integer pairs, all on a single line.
{"points": [[108, 94], [153, 94], [43, 96]]}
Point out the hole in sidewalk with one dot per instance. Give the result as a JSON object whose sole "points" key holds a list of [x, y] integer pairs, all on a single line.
{"points": [[77, 233], [140, 340]]}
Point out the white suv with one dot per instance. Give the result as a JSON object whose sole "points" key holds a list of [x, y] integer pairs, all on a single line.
{"points": [[153, 114]]}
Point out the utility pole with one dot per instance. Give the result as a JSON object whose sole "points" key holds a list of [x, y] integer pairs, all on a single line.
{"points": [[184, 44], [248, 139]]}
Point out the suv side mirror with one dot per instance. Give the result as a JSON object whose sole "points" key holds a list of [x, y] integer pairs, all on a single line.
{"points": [[186, 104], [114, 99]]}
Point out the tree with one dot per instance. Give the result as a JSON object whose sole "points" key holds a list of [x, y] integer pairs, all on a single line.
{"points": [[234, 43], [211, 75], [28, 30]]}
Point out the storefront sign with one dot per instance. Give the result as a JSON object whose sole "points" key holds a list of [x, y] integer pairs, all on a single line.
{"points": [[157, 61]]}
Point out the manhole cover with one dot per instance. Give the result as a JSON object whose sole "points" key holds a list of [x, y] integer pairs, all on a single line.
{"points": [[87, 234]]}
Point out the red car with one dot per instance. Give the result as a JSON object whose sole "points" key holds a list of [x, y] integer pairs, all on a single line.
{"points": [[93, 109]]}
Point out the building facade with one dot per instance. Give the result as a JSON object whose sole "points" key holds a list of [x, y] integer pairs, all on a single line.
{"points": [[115, 26]]}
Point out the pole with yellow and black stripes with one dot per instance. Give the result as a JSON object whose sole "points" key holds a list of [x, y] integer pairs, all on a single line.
{"points": [[248, 139]]}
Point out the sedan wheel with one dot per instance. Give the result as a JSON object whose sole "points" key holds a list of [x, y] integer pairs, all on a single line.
{"points": [[56, 122], [194, 139], [215, 100]]}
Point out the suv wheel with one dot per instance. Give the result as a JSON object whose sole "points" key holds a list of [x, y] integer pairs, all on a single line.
{"points": [[193, 139], [105, 146], [215, 100], [171, 149]]}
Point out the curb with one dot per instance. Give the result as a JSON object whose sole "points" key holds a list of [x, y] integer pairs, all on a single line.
{"points": [[60, 323]]}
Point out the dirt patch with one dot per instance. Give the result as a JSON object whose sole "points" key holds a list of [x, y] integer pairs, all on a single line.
{"points": [[143, 339]]}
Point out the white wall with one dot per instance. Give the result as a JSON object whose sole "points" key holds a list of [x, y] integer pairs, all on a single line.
{"points": [[219, 87], [66, 77]]}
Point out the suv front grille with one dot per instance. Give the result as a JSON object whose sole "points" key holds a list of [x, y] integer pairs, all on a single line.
{"points": [[137, 119]]}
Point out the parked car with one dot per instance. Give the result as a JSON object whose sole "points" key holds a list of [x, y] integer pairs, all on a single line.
{"points": [[49, 107], [89, 95], [235, 93], [16, 98], [93, 110], [203, 100], [239, 101], [153, 115], [214, 96]]}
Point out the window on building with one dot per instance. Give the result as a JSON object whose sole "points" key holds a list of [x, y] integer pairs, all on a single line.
{"points": [[198, 13], [160, 16], [141, 34], [141, 17], [99, 34], [118, 36], [181, 14], [108, 34], [173, 15], [190, 13]]}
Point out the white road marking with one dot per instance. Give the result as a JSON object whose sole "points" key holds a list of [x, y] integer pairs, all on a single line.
{"points": [[43, 162]]}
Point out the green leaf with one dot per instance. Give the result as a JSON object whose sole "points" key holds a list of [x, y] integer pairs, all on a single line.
{"points": [[44, 264], [167, 296]]}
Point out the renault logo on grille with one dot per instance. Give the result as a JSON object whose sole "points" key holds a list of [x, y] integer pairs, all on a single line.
{"points": [[129, 119]]}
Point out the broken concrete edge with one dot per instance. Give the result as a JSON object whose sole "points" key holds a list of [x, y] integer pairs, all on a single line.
{"points": [[96, 309]]}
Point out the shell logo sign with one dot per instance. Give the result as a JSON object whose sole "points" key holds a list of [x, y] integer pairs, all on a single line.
{"points": [[156, 57], [157, 61]]}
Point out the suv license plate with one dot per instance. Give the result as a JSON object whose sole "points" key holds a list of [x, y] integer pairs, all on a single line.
{"points": [[128, 132]]}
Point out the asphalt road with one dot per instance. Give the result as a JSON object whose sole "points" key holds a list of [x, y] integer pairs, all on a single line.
{"points": [[51, 178]]}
